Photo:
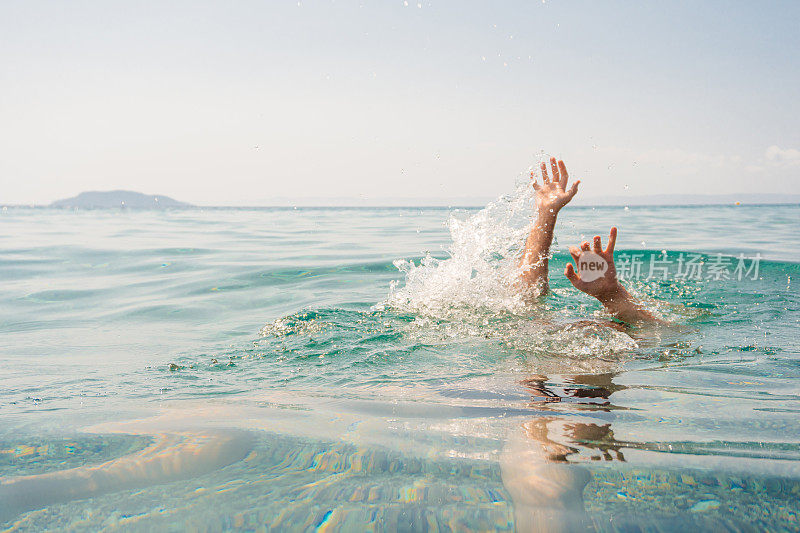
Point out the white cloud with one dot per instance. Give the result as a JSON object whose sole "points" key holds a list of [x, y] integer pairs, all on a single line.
{"points": [[778, 156]]}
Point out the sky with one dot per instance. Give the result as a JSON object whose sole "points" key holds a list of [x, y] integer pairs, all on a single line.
{"points": [[251, 103]]}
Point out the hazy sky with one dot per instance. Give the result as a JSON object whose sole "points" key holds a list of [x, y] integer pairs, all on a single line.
{"points": [[239, 102]]}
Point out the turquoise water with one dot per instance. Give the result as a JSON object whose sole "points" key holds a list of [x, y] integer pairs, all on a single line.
{"points": [[274, 369]]}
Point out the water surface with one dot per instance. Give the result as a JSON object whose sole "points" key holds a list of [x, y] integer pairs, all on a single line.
{"points": [[272, 368]]}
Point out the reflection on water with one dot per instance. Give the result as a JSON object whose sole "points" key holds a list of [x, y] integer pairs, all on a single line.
{"points": [[538, 468], [548, 467], [539, 460], [588, 392]]}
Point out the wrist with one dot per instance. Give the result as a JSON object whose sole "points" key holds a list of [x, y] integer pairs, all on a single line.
{"points": [[614, 296], [546, 217]]}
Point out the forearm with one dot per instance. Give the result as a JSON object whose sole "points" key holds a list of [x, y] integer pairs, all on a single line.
{"points": [[534, 262], [627, 308]]}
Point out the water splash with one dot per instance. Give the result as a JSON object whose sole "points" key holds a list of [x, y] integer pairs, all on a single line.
{"points": [[482, 266], [474, 292]]}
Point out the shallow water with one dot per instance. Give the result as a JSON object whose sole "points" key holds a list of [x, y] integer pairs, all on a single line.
{"points": [[257, 368]]}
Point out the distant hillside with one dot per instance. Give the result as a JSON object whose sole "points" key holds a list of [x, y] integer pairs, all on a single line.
{"points": [[104, 199]]}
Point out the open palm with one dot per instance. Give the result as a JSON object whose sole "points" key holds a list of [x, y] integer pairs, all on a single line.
{"points": [[607, 283], [553, 194]]}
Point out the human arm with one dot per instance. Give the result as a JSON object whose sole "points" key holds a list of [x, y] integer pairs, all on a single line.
{"points": [[551, 196]]}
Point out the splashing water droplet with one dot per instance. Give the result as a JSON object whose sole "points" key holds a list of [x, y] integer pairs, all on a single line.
{"points": [[482, 260]]}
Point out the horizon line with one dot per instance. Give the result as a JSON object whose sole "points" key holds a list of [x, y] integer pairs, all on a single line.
{"points": [[382, 206]]}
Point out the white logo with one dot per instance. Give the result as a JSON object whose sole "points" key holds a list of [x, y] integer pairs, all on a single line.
{"points": [[591, 266]]}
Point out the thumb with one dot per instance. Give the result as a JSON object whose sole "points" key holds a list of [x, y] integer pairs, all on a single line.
{"points": [[569, 272], [574, 189]]}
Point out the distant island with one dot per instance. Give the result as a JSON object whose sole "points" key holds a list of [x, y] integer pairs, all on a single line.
{"points": [[105, 199], [136, 200]]}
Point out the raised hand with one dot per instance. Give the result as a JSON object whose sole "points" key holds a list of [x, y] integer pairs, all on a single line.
{"points": [[604, 284], [553, 194], [607, 283]]}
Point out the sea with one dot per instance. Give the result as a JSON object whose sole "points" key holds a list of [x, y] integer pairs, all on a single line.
{"points": [[377, 369]]}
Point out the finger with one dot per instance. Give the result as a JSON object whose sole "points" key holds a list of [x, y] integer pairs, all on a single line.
{"points": [[598, 248], [533, 181], [554, 169], [612, 240], [575, 252], [585, 246], [545, 179], [562, 172], [574, 189], [569, 272]]}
